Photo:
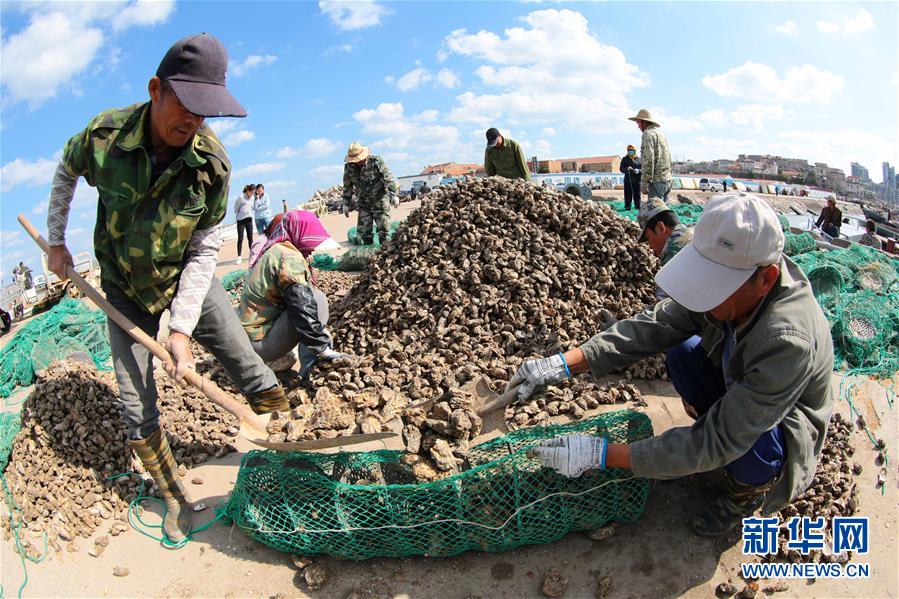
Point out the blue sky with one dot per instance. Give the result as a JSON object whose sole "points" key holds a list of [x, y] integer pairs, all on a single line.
{"points": [[420, 82]]}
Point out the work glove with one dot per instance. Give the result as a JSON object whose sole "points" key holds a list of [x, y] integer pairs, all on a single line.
{"points": [[394, 200], [538, 373], [636, 171], [328, 355], [630, 168], [571, 455], [606, 320], [182, 359], [345, 208]]}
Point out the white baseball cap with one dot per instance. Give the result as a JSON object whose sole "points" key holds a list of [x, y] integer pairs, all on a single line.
{"points": [[737, 233]]}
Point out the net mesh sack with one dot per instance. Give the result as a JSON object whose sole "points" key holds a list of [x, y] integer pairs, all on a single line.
{"points": [[353, 260], [310, 503], [353, 234], [10, 423], [798, 243], [69, 327], [233, 283], [687, 213], [865, 332]]}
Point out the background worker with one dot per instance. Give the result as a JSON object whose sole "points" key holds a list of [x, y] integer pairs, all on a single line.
{"points": [[262, 210], [630, 166], [831, 218], [162, 177], [758, 384], [504, 157], [870, 237], [243, 212], [367, 177], [280, 309], [655, 171]]}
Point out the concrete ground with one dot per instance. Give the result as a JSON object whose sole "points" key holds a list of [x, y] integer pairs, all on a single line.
{"points": [[655, 556]]}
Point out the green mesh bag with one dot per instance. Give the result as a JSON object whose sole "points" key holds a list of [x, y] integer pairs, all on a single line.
{"points": [[233, 283], [353, 234], [70, 326], [354, 260], [865, 332], [875, 276], [798, 243], [311, 503], [10, 423]]}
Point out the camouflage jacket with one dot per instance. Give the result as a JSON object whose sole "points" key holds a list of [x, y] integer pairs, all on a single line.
{"points": [[261, 302], [142, 230], [680, 237], [656, 158], [870, 240], [371, 184]]}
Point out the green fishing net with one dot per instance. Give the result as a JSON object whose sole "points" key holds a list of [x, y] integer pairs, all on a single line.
{"points": [[362, 505]]}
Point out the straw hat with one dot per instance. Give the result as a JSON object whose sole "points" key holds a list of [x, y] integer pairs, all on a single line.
{"points": [[356, 152], [643, 115]]}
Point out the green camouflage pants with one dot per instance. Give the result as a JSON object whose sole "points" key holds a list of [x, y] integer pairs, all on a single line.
{"points": [[372, 215]]}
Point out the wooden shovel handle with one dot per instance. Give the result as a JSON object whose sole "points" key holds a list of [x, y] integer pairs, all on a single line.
{"points": [[192, 377]]}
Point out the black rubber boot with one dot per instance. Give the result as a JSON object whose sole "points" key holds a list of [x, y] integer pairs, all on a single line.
{"points": [[727, 512]]}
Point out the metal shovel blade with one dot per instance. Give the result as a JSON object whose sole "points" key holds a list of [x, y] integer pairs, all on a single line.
{"points": [[490, 406]]}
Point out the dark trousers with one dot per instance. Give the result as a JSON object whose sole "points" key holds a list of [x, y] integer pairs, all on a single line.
{"points": [[244, 225], [218, 330], [831, 230], [700, 383], [631, 194]]}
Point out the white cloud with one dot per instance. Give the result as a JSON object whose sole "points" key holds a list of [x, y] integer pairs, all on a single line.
{"points": [[10, 239], [223, 125], [258, 168], [758, 81], [551, 70], [40, 207], [280, 184], [413, 79], [447, 78], [46, 56], [746, 116], [314, 148], [143, 12], [242, 67], [353, 14], [787, 28], [238, 137], [340, 48], [327, 171], [23, 172], [549, 131], [405, 132], [860, 23]]}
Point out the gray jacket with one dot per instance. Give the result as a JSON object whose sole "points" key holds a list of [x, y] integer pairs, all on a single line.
{"points": [[781, 365]]}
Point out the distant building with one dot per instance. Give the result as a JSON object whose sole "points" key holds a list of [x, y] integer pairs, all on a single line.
{"points": [[453, 169], [860, 172], [590, 164]]}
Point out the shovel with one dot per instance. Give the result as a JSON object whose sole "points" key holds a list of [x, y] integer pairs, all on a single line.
{"points": [[252, 425]]}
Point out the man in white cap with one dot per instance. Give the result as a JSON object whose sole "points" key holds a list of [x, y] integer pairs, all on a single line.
{"points": [[750, 353], [655, 171]]}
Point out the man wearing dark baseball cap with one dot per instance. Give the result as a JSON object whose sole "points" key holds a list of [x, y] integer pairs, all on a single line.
{"points": [[162, 178], [748, 350], [504, 157]]}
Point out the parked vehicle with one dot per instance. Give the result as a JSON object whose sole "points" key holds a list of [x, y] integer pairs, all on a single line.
{"points": [[711, 184]]}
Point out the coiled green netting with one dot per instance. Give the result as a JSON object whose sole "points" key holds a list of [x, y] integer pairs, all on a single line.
{"points": [[306, 503], [858, 289], [688, 213], [69, 327], [233, 283]]}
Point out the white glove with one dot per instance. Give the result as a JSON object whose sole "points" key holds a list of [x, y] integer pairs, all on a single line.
{"points": [[329, 355], [636, 171], [394, 200], [572, 455], [537, 373], [345, 208]]}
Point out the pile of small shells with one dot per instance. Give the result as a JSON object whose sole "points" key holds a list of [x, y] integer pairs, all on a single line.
{"points": [[444, 431], [335, 284], [331, 197], [573, 400], [73, 439], [833, 492], [486, 274]]}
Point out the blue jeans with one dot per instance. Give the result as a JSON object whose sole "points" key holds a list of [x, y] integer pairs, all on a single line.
{"points": [[262, 224], [700, 383]]}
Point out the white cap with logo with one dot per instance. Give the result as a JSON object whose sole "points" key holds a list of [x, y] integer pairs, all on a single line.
{"points": [[737, 233]]}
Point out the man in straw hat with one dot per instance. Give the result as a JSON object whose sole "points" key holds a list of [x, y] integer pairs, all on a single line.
{"points": [[750, 353], [655, 173], [368, 177], [162, 177]]}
